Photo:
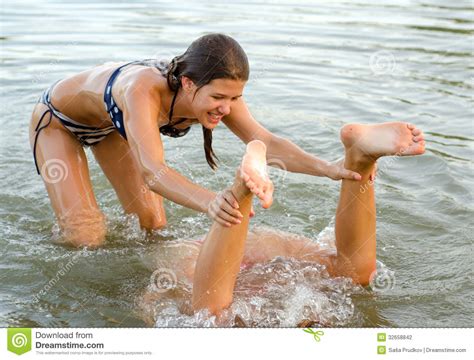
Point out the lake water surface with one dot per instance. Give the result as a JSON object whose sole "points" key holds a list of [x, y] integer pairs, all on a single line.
{"points": [[314, 67]]}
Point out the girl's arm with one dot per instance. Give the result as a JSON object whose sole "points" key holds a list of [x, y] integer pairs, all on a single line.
{"points": [[141, 107], [282, 152]]}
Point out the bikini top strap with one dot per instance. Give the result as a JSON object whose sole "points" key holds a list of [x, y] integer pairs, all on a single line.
{"points": [[180, 121], [108, 87], [170, 117]]}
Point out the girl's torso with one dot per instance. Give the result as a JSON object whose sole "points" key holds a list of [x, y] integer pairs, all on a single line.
{"points": [[81, 96]]}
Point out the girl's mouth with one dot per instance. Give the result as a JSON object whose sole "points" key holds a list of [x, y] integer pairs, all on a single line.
{"points": [[213, 118]]}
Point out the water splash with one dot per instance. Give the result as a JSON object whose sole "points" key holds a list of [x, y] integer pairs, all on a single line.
{"points": [[283, 292]]}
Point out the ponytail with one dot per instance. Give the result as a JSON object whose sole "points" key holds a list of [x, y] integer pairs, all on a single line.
{"points": [[210, 155], [172, 74]]}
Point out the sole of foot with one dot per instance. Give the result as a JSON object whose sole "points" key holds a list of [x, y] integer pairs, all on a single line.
{"points": [[370, 142], [253, 172]]}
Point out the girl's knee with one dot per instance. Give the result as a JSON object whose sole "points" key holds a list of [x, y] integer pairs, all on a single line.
{"points": [[87, 228]]}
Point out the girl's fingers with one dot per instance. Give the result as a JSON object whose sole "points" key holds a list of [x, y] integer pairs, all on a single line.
{"points": [[351, 175], [228, 218], [234, 213], [229, 197], [223, 222]]}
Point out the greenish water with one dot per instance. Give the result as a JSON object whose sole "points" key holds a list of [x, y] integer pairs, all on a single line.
{"points": [[314, 67]]}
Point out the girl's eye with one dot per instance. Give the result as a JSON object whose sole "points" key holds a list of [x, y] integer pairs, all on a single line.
{"points": [[217, 97]]}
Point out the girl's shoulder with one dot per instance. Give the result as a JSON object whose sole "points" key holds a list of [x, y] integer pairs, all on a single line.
{"points": [[141, 78]]}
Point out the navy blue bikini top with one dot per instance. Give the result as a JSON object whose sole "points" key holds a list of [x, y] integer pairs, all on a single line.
{"points": [[116, 114]]}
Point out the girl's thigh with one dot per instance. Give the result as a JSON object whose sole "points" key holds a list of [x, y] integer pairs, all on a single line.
{"points": [[116, 160], [64, 170], [264, 244]]}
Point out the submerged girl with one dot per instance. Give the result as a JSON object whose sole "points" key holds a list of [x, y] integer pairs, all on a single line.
{"points": [[213, 268]]}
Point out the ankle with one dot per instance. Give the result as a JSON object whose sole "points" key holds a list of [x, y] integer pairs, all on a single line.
{"points": [[356, 160], [239, 189]]}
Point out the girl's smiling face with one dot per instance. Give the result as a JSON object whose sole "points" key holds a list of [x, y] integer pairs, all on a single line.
{"points": [[213, 101]]}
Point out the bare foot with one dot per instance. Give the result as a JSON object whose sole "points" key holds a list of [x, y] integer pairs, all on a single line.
{"points": [[369, 142], [253, 172]]}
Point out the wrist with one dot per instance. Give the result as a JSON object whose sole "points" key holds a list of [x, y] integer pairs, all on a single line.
{"points": [[208, 202], [322, 167]]}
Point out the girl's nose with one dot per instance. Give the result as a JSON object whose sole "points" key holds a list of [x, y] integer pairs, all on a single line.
{"points": [[224, 109]]}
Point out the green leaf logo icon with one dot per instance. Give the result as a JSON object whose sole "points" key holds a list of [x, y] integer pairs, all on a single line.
{"points": [[19, 340]]}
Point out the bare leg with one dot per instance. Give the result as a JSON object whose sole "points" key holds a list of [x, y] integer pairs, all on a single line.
{"points": [[355, 214], [64, 169], [221, 254], [115, 158]]}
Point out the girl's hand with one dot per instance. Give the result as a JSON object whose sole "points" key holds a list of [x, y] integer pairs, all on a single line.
{"points": [[224, 209], [337, 171]]}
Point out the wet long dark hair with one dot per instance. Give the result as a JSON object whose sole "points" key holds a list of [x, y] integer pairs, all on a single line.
{"points": [[213, 56]]}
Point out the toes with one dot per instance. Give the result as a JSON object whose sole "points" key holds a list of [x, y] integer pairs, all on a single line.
{"points": [[410, 126], [244, 175], [416, 132], [250, 184], [419, 137]]}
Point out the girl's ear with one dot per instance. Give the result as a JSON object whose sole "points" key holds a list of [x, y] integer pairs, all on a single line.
{"points": [[187, 83]]}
